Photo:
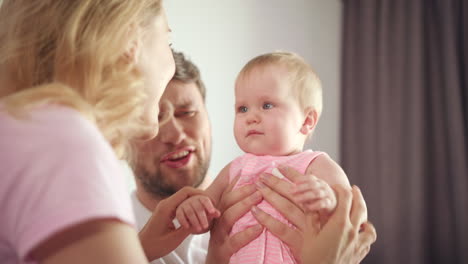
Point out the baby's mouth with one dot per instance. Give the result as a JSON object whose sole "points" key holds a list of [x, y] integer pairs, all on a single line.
{"points": [[254, 132]]}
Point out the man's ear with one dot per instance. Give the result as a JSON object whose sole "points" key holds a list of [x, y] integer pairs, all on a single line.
{"points": [[310, 121]]}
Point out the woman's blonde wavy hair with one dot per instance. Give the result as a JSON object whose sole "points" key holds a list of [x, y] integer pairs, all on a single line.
{"points": [[71, 53]]}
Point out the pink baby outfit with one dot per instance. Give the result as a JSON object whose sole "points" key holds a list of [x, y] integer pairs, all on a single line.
{"points": [[266, 248]]}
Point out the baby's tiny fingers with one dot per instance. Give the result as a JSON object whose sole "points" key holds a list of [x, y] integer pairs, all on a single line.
{"points": [[321, 193], [307, 186], [201, 213], [180, 216], [210, 208], [317, 205], [208, 205], [192, 217], [215, 214], [305, 178], [305, 197]]}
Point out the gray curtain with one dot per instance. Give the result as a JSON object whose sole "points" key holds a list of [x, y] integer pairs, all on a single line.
{"points": [[405, 123]]}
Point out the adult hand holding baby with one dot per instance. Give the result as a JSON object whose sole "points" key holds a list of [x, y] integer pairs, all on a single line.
{"points": [[159, 236], [346, 237], [339, 240], [233, 205]]}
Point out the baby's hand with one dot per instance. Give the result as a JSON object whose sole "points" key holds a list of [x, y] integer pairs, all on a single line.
{"points": [[197, 212], [315, 194]]}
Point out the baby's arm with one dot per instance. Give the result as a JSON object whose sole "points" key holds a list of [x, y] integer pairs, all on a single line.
{"points": [[197, 212], [313, 189]]}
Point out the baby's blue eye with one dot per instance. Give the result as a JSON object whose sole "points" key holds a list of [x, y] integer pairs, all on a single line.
{"points": [[267, 106], [242, 109]]}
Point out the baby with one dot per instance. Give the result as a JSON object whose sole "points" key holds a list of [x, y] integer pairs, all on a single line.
{"points": [[278, 104]]}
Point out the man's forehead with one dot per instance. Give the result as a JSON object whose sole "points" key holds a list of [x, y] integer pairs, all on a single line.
{"points": [[180, 94]]}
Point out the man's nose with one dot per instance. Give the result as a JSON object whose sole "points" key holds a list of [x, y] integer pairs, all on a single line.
{"points": [[172, 131]]}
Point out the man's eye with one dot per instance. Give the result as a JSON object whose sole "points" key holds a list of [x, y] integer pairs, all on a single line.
{"points": [[267, 106], [185, 113], [242, 109]]}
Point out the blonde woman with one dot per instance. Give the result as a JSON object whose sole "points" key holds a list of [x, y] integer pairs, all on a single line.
{"points": [[78, 80]]}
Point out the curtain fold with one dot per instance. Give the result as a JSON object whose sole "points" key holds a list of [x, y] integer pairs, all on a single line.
{"points": [[405, 123]]}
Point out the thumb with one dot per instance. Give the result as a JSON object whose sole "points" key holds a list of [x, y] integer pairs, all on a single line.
{"points": [[312, 223], [344, 202]]}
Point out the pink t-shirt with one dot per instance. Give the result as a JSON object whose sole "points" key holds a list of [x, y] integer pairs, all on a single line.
{"points": [[57, 170]]}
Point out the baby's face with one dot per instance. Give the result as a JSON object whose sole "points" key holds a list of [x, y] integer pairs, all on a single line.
{"points": [[268, 116]]}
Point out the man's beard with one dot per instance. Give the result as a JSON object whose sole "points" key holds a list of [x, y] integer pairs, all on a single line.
{"points": [[159, 187]]}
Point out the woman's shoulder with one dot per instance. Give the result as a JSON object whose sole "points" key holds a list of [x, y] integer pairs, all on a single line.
{"points": [[53, 142], [62, 171], [53, 128]]}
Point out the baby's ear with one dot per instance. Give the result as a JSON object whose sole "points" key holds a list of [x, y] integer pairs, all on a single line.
{"points": [[310, 121]]}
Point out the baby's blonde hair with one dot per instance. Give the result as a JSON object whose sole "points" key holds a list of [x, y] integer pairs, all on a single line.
{"points": [[305, 82], [71, 53]]}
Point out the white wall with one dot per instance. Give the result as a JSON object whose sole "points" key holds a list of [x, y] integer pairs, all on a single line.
{"points": [[220, 36]]}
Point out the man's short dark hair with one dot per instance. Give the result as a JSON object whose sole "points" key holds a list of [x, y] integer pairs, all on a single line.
{"points": [[187, 72]]}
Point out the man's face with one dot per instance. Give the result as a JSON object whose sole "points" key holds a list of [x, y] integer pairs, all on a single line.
{"points": [[180, 154]]}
